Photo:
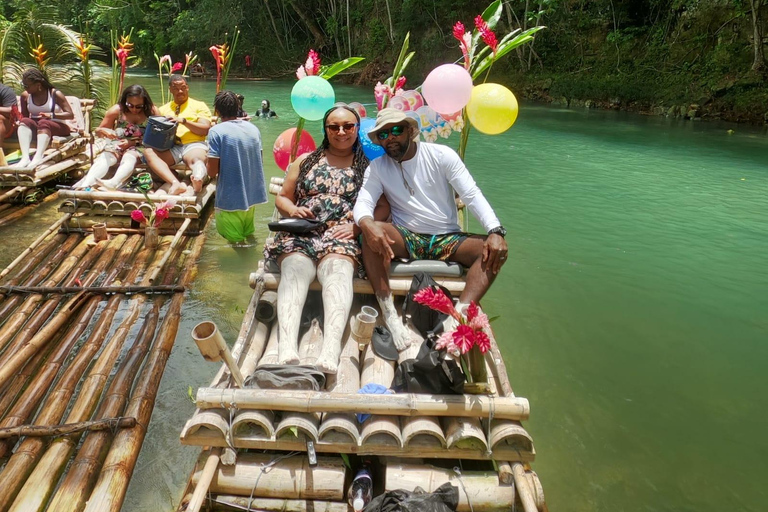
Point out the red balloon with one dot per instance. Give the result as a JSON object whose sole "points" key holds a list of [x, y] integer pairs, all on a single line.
{"points": [[282, 148]]}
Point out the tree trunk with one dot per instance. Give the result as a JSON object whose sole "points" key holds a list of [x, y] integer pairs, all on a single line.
{"points": [[310, 23], [757, 36], [274, 27]]}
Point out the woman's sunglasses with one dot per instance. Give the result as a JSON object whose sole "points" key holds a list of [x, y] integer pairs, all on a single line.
{"points": [[335, 128], [396, 131], [131, 105]]}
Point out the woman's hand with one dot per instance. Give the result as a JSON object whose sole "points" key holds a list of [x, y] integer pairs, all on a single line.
{"points": [[302, 212], [343, 231]]}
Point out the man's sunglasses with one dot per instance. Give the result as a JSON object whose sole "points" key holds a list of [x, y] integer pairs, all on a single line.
{"points": [[396, 131], [131, 105], [348, 127]]}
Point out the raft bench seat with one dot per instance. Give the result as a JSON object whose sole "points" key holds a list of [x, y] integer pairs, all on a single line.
{"points": [[448, 274]]}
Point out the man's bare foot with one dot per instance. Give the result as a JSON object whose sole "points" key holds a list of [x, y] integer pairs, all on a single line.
{"points": [[177, 188], [197, 185]]}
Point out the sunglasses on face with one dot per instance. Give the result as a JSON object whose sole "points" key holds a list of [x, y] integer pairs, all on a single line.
{"points": [[396, 131], [335, 128], [131, 105]]}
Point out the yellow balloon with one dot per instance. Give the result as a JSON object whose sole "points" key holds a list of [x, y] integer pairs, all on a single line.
{"points": [[492, 108]]}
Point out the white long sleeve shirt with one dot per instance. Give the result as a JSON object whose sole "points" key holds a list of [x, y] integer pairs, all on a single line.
{"points": [[432, 175]]}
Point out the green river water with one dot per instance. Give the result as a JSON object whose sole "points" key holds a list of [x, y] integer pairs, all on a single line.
{"points": [[633, 310]]}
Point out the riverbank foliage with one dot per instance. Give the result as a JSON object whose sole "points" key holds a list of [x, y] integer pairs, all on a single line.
{"points": [[654, 55]]}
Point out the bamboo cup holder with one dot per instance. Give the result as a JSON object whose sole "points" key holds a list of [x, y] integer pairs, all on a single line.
{"points": [[363, 324], [213, 348], [100, 232]]}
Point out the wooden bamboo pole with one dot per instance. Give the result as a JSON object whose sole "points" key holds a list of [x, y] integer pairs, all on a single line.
{"points": [[124, 196], [23, 272], [237, 503], [101, 290], [399, 285], [26, 313], [43, 479], [13, 192], [112, 483], [81, 476], [53, 227], [204, 480], [523, 488], [22, 462], [67, 428], [170, 249], [514, 408]]}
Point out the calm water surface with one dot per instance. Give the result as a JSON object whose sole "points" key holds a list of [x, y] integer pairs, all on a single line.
{"points": [[633, 313]]}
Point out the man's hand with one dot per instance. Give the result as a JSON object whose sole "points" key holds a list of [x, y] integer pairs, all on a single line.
{"points": [[494, 253], [377, 239], [302, 212]]}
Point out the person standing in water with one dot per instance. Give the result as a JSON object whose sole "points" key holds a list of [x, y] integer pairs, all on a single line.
{"points": [[265, 111]]}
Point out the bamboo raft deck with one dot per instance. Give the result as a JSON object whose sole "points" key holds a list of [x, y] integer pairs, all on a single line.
{"points": [[65, 155], [474, 441], [86, 329]]}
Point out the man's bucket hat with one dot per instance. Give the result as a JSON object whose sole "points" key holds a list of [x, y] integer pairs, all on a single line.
{"points": [[391, 116]]}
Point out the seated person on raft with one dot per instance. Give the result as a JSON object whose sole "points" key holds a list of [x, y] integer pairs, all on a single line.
{"points": [[8, 106], [194, 118], [44, 110], [124, 124], [322, 185], [418, 179]]}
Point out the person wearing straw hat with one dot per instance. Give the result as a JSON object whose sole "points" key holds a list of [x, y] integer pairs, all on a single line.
{"points": [[419, 179]]}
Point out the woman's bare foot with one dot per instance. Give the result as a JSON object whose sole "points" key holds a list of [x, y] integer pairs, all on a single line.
{"points": [[177, 188]]}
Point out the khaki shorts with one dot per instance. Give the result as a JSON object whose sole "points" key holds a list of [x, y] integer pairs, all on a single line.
{"points": [[178, 151]]}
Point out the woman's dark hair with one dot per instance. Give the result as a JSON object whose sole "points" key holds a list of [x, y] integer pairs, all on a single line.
{"points": [[136, 90], [226, 104], [359, 160], [37, 76]]}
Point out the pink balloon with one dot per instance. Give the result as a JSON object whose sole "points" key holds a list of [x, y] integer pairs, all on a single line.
{"points": [[447, 88], [282, 148], [399, 103], [359, 108]]}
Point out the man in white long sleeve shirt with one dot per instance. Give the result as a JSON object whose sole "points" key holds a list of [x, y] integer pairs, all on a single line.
{"points": [[419, 179]]}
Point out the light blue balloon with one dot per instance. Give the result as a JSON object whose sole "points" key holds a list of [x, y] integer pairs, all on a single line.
{"points": [[311, 97], [371, 150]]}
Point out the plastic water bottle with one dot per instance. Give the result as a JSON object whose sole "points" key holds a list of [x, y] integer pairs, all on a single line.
{"points": [[361, 490]]}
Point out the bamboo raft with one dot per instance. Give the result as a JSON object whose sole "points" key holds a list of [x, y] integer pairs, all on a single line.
{"points": [[86, 329], [474, 441], [64, 156]]}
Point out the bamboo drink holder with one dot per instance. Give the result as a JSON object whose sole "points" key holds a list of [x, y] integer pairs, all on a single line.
{"points": [[362, 326], [213, 348], [100, 232], [151, 238]]}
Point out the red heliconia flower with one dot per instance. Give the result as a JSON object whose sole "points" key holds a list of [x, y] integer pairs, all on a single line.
{"points": [[482, 341], [464, 338], [465, 40], [177, 67], [434, 298], [122, 56], [138, 216], [160, 215], [486, 33]]}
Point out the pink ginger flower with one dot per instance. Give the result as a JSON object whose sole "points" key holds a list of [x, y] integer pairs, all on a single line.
{"points": [[435, 298], [313, 63], [445, 342], [486, 33], [301, 72], [381, 92], [482, 341], [464, 338], [160, 215], [176, 67], [138, 216], [164, 59]]}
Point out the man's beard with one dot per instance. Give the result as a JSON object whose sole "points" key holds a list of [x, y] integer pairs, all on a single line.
{"points": [[396, 151]]}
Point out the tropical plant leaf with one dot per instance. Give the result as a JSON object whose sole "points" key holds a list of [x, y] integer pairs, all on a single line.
{"points": [[505, 49], [492, 14], [328, 72]]}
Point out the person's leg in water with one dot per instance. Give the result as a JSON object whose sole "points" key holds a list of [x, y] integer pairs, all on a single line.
{"points": [[335, 274], [97, 171], [123, 172], [297, 272]]}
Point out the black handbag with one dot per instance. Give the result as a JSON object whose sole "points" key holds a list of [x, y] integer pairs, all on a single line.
{"points": [[296, 226], [431, 372], [425, 319]]}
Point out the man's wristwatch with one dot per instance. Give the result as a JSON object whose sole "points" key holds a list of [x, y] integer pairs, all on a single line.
{"points": [[498, 231], [184, 121]]}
